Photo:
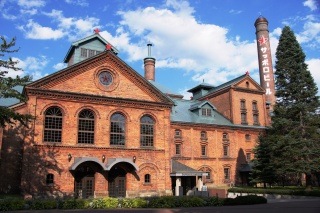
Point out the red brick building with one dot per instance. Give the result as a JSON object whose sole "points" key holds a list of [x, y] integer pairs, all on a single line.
{"points": [[101, 129]]}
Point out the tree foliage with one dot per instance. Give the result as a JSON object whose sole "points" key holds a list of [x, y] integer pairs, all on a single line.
{"points": [[8, 84], [294, 137], [263, 169]]}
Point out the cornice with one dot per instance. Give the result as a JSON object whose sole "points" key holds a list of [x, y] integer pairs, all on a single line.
{"points": [[85, 98], [216, 126], [248, 90], [55, 145]]}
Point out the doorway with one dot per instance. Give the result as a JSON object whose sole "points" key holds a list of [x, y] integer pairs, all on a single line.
{"points": [[117, 182], [84, 182]]}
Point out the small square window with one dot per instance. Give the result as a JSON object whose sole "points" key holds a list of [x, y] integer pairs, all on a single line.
{"points": [[225, 136], [248, 137], [206, 112], [177, 133], [203, 135]]}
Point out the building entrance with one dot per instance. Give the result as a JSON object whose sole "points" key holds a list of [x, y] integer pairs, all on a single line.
{"points": [[84, 182], [117, 182]]}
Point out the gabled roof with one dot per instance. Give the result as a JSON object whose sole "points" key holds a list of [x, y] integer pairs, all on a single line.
{"points": [[179, 169], [201, 104], [164, 89], [229, 83], [71, 71], [86, 39], [182, 113], [201, 86]]}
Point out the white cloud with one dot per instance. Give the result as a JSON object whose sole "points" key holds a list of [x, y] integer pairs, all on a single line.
{"points": [[59, 66], [31, 3], [82, 3], [34, 30], [72, 27], [33, 64], [313, 65], [29, 12], [311, 4], [235, 12], [185, 43]]}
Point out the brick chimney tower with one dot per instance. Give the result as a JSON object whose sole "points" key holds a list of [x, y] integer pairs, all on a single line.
{"points": [[149, 65], [265, 61]]}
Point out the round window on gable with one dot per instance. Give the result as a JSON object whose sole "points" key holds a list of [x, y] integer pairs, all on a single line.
{"points": [[247, 84]]}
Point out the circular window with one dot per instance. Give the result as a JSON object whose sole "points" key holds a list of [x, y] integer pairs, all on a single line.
{"points": [[105, 78]]}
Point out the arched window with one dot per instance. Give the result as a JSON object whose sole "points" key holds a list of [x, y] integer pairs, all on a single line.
{"points": [[146, 131], [147, 178], [86, 127], [50, 179], [53, 125], [118, 129]]}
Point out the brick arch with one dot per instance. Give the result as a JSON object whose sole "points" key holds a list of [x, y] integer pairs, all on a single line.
{"points": [[87, 107], [152, 115], [150, 165], [63, 109], [206, 166], [120, 111]]}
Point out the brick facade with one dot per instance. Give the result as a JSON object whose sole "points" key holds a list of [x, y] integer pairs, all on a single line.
{"points": [[32, 166]]}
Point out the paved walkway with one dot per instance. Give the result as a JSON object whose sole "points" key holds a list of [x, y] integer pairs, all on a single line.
{"points": [[311, 205]]}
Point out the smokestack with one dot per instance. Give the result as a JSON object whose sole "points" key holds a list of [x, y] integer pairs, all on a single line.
{"points": [[149, 65], [265, 60]]}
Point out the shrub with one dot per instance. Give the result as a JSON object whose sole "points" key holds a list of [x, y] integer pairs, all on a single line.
{"points": [[104, 203], [11, 204], [213, 201], [133, 203], [162, 202], [74, 204], [42, 204]]}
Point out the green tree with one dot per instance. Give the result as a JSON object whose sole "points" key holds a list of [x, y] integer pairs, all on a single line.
{"points": [[8, 84], [263, 170], [295, 124]]}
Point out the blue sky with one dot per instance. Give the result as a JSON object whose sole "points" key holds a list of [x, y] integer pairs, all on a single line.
{"points": [[193, 41]]}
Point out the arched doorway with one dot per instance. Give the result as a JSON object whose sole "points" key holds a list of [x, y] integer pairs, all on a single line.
{"points": [[117, 182], [84, 179]]}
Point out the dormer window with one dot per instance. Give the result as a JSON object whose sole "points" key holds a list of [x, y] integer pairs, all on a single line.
{"points": [[86, 53], [206, 112]]}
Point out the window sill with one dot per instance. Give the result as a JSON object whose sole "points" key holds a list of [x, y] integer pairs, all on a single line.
{"points": [[147, 184]]}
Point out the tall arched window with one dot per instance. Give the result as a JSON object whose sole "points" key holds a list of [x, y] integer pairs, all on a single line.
{"points": [[86, 127], [118, 129], [146, 131], [53, 125]]}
